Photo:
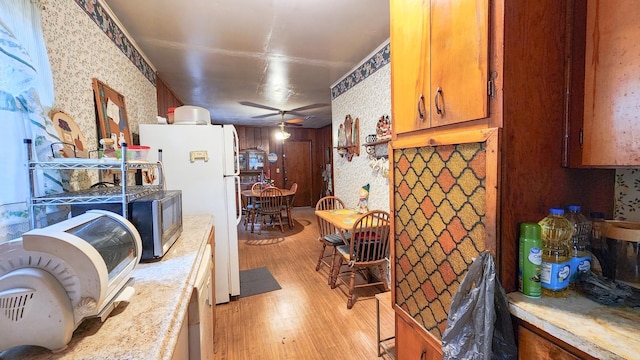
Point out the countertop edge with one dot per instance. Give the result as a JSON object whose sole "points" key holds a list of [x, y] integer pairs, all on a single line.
{"points": [[148, 327], [574, 326], [183, 305]]}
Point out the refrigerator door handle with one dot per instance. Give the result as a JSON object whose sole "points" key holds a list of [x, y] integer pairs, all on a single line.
{"points": [[236, 151], [239, 199]]}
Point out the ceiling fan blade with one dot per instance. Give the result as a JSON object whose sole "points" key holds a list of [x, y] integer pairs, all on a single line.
{"points": [[249, 103], [264, 115], [287, 124], [295, 121], [308, 107]]}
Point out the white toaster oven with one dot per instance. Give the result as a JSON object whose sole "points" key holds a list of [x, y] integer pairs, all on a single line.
{"points": [[54, 277]]}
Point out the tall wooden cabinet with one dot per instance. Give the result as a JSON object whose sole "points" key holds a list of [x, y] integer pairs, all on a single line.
{"points": [[606, 64], [462, 188], [441, 77]]}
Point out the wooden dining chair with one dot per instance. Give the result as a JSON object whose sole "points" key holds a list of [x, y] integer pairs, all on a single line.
{"points": [[257, 187], [270, 206], [329, 234], [249, 211], [369, 246], [289, 204]]}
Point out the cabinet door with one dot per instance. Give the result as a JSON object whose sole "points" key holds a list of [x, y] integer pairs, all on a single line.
{"points": [[439, 62], [612, 70], [532, 346], [410, 345], [459, 56], [410, 55], [255, 160]]}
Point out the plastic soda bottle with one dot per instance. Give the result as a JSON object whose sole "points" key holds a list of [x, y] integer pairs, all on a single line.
{"points": [[556, 253], [530, 260], [580, 243]]}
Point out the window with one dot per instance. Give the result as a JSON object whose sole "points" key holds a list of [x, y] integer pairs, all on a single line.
{"points": [[26, 95]]}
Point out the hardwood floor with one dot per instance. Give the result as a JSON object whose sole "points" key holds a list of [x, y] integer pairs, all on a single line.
{"points": [[305, 319]]}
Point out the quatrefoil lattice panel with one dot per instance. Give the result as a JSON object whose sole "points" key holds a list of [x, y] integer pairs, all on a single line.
{"points": [[440, 204]]}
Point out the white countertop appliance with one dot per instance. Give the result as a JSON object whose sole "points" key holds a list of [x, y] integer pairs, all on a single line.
{"points": [[202, 161], [54, 277]]}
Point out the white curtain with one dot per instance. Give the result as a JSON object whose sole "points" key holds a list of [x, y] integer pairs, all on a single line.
{"points": [[26, 96]]}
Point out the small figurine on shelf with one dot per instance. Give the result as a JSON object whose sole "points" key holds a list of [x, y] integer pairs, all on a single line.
{"points": [[383, 128], [363, 200], [108, 148]]}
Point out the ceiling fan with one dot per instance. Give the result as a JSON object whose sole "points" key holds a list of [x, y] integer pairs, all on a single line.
{"points": [[282, 113]]}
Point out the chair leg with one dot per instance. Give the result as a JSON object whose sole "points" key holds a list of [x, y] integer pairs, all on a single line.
{"points": [[334, 252], [324, 246], [336, 271], [262, 224], [280, 222], [383, 275], [352, 284], [289, 218]]}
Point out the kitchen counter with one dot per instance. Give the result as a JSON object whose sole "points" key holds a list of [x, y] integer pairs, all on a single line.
{"points": [[148, 326], [604, 332]]}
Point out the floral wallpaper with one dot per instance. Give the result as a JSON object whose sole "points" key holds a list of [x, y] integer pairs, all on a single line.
{"points": [[368, 100], [627, 193], [79, 50], [378, 60], [106, 22]]}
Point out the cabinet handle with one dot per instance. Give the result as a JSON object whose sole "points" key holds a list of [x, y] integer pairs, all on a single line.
{"points": [[421, 108], [422, 355], [439, 111]]}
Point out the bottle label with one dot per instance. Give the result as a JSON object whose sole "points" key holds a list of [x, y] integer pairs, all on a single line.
{"points": [[530, 266], [535, 256], [579, 264], [555, 276]]}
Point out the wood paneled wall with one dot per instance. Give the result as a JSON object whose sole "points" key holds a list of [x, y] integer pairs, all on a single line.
{"points": [[166, 97], [263, 138]]}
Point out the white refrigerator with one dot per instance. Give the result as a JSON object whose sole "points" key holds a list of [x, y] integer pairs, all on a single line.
{"points": [[202, 161]]}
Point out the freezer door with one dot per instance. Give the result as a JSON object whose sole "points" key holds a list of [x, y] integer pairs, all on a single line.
{"points": [[231, 151]]}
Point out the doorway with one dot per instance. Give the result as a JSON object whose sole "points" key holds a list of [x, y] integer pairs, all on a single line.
{"points": [[296, 166]]}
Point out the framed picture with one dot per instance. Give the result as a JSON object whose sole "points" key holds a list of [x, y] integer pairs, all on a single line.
{"points": [[113, 122]]}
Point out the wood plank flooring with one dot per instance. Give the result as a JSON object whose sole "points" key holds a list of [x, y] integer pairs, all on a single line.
{"points": [[305, 319]]}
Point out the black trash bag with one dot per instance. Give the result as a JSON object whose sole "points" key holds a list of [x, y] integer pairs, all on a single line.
{"points": [[479, 324]]}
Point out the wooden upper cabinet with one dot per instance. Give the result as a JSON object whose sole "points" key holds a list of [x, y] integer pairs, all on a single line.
{"points": [[612, 85], [439, 62], [409, 42]]}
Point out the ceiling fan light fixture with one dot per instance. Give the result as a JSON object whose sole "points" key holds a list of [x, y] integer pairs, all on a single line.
{"points": [[282, 135]]}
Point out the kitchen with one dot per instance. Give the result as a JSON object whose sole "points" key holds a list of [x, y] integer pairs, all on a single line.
{"points": [[550, 110]]}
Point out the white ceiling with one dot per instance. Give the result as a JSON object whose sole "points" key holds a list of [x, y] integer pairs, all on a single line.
{"points": [[283, 54]]}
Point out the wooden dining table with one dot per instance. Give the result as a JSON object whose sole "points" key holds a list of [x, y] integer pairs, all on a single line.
{"points": [[342, 219], [253, 196]]}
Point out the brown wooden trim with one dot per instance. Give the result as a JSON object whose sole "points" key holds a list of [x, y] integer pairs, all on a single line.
{"points": [[492, 211], [445, 138]]}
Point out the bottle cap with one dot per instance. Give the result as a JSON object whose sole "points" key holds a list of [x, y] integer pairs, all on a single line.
{"points": [[573, 208], [556, 211], [530, 231]]}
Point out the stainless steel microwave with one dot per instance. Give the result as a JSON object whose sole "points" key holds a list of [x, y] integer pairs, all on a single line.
{"points": [[157, 217]]}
